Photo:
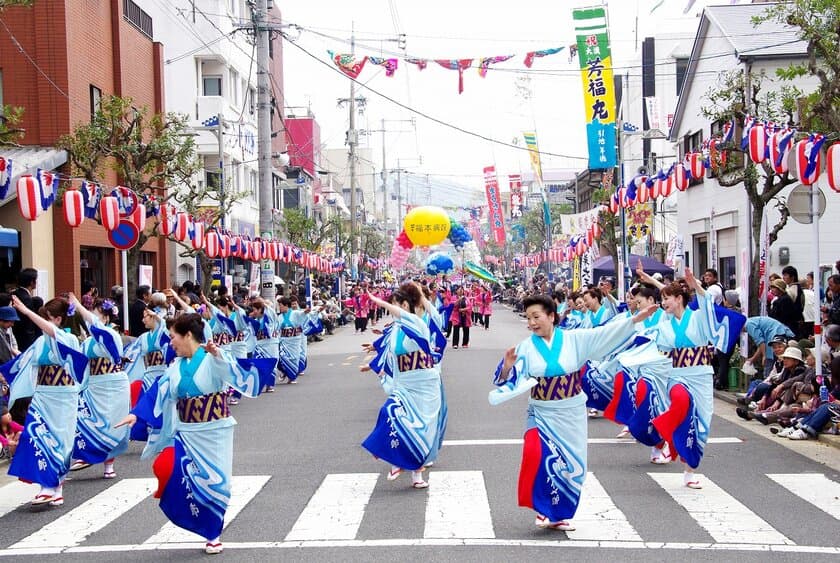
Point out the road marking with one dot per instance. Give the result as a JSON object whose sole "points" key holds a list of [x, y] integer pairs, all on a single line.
{"points": [[75, 526], [475, 542], [598, 518], [457, 506], [242, 490], [591, 441], [719, 513], [336, 509], [16, 494], [351, 357], [815, 488]]}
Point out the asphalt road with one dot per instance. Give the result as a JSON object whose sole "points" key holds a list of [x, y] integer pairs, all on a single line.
{"points": [[309, 492]]}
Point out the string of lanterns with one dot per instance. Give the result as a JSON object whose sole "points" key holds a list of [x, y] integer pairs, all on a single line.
{"points": [[36, 193]]}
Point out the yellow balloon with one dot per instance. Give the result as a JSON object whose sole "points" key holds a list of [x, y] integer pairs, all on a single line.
{"points": [[427, 225]]}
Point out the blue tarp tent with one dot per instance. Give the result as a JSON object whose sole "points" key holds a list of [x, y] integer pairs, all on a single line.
{"points": [[603, 266]]}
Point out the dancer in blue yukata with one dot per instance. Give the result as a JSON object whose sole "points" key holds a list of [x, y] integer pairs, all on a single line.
{"points": [[548, 364]]}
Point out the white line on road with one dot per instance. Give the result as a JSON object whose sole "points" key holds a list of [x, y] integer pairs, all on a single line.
{"points": [[75, 526], [719, 513], [598, 517], [591, 441], [458, 506], [16, 494], [477, 542], [815, 488], [336, 509], [242, 490]]}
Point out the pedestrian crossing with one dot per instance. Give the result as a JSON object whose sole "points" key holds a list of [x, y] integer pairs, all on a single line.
{"points": [[458, 511]]}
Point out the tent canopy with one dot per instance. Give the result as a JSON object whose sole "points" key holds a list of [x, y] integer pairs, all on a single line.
{"points": [[603, 266]]}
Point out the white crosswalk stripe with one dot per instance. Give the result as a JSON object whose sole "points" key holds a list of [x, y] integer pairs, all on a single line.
{"points": [[75, 526], [242, 490], [336, 509], [815, 488], [598, 518], [719, 513], [458, 506], [457, 509]]}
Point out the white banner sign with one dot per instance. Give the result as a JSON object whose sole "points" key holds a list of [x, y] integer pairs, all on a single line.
{"points": [[653, 115]]}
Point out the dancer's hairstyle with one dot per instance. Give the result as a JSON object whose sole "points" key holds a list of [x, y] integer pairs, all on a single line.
{"points": [[56, 307], [258, 304], [676, 289], [544, 301], [408, 292], [594, 294], [285, 301], [190, 323], [647, 292], [107, 308]]}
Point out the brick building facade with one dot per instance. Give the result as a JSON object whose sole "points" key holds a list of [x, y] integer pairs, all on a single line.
{"points": [[87, 50]]}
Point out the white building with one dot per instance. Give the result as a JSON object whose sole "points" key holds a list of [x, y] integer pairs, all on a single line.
{"points": [[209, 72], [726, 40]]}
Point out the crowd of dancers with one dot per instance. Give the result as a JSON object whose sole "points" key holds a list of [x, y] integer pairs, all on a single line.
{"points": [[172, 387]]}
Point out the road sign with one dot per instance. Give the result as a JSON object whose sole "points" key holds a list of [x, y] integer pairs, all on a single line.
{"points": [[125, 236], [799, 203]]}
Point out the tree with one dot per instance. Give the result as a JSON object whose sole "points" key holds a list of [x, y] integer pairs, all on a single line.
{"points": [[150, 154], [8, 3], [533, 223], [818, 23], [371, 243], [10, 133]]}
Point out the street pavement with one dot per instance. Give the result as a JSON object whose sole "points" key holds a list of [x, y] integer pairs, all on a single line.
{"points": [[304, 489]]}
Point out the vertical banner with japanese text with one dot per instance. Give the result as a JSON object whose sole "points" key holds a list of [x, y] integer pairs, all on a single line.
{"points": [[494, 205], [515, 196], [598, 87]]}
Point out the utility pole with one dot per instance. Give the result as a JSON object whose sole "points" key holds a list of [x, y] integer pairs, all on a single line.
{"points": [[262, 34], [352, 140]]}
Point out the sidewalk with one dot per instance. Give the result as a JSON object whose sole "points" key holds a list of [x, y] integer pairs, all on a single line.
{"points": [[832, 440]]}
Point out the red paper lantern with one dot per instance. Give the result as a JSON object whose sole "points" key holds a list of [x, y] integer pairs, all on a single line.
{"points": [[642, 193], [801, 151], [182, 226], [776, 154], [74, 205], [596, 230], [138, 217], [680, 177], [245, 249], [695, 165], [224, 245], [167, 219], [757, 143], [273, 250], [211, 244], [109, 212], [197, 239], [832, 166], [256, 251]]}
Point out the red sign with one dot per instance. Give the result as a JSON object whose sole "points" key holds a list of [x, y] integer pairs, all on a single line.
{"points": [[494, 204]]}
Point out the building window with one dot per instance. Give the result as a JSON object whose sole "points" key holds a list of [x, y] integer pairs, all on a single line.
{"points": [[234, 87], [253, 184], [213, 180], [271, 47], [138, 18], [212, 85], [252, 101], [682, 66], [95, 100]]}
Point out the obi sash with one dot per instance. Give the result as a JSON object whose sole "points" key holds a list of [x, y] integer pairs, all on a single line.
{"points": [[298, 331], [204, 408], [690, 357], [240, 336], [262, 335], [222, 338], [286, 332], [557, 388], [154, 359], [415, 360], [101, 366], [54, 375]]}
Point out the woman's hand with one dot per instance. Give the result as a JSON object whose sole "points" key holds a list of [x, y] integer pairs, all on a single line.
{"points": [[18, 304], [645, 313], [211, 348], [130, 420], [509, 361]]}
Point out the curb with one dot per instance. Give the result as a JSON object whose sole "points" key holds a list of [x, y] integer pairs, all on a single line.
{"points": [[730, 397]]}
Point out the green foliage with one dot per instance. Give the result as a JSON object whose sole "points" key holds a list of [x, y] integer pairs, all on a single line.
{"points": [[533, 222], [9, 3], [818, 23], [10, 133]]}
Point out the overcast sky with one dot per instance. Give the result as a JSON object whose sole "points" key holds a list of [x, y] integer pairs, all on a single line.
{"points": [[490, 106]]}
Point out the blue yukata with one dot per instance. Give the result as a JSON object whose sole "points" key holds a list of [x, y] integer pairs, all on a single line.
{"points": [[553, 466], [233, 333], [437, 332], [51, 371], [407, 430], [104, 398], [290, 324], [195, 450], [148, 356], [303, 354], [596, 318], [680, 407]]}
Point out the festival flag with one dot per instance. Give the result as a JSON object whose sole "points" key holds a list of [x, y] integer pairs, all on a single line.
{"points": [[534, 153], [485, 62], [494, 205], [348, 64], [389, 64], [515, 196], [456, 64], [531, 55], [598, 88]]}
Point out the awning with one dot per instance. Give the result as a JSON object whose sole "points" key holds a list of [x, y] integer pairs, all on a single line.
{"points": [[9, 238], [27, 160]]}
